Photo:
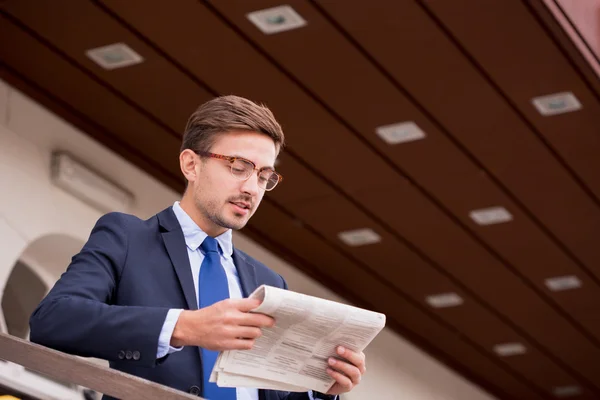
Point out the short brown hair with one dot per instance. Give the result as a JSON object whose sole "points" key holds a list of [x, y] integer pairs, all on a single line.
{"points": [[229, 113]]}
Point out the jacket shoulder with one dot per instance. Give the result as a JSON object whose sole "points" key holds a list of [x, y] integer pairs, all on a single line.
{"points": [[264, 274], [125, 221]]}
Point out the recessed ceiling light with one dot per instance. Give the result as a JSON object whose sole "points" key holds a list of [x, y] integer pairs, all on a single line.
{"points": [[117, 55], [567, 391], [509, 349], [491, 215], [444, 300], [556, 103], [359, 237], [276, 19], [560, 283], [401, 132]]}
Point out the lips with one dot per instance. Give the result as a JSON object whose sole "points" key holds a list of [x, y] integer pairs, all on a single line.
{"points": [[241, 204]]}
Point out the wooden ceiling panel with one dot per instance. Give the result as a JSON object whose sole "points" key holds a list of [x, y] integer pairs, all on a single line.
{"points": [[175, 27], [93, 99], [171, 98], [428, 65], [299, 184], [542, 69]]}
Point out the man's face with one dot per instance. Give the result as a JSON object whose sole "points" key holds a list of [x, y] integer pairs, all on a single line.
{"points": [[223, 200]]}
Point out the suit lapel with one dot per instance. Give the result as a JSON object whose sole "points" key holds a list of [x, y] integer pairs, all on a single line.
{"points": [[246, 272], [175, 243]]}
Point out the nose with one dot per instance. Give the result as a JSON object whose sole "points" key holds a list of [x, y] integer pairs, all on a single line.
{"points": [[250, 185]]}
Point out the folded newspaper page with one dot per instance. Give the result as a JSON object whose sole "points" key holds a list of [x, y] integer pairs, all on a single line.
{"points": [[292, 355]]}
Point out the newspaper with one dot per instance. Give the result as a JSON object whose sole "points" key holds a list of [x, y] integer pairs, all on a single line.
{"points": [[292, 355]]}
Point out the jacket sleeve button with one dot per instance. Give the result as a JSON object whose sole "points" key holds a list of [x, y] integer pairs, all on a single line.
{"points": [[121, 355]]}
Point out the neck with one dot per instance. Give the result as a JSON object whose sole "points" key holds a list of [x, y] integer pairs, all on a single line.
{"points": [[210, 228]]}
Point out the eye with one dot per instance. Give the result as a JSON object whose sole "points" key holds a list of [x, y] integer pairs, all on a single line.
{"points": [[241, 167], [268, 176]]}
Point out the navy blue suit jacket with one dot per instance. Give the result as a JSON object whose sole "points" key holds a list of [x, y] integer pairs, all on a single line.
{"points": [[112, 301]]}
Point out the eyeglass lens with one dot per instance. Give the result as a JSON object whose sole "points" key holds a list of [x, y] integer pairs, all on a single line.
{"points": [[242, 169]]}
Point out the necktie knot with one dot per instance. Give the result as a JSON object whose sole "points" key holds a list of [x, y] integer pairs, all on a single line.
{"points": [[210, 245]]}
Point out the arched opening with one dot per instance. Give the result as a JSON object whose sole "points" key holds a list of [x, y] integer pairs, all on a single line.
{"points": [[22, 293], [37, 269], [35, 272]]}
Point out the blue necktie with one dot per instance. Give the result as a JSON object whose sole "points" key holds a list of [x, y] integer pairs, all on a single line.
{"points": [[212, 289]]}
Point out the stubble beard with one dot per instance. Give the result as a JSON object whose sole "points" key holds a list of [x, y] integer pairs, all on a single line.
{"points": [[212, 213]]}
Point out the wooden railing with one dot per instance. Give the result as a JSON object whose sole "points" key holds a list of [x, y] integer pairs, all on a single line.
{"points": [[68, 368]]}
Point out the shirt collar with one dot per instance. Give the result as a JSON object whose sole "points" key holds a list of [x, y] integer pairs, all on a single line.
{"points": [[194, 236]]}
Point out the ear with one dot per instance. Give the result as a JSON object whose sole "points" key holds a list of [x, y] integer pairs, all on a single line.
{"points": [[187, 162]]}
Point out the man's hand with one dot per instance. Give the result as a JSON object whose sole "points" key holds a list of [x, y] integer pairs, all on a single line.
{"points": [[226, 325], [346, 374]]}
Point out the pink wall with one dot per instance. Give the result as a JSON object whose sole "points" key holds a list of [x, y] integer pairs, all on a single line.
{"points": [[585, 15]]}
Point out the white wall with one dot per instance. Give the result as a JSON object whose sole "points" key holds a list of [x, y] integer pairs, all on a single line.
{"points": [[33, 211]]}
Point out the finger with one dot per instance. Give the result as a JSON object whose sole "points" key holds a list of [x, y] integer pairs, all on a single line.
{"points": [[259, 320], [357, 359], [247, 332], [341, 379], [244, 305], [239, 344], [347, 369]]}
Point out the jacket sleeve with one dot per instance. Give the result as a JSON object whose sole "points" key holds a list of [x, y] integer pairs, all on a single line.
{"points": [[78, 315]]}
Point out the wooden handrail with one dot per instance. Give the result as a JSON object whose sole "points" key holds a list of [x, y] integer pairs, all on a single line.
{"points": [[68, 368]]}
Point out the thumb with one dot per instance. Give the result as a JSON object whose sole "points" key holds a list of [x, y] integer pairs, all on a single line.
{"points": [[246, 305]]}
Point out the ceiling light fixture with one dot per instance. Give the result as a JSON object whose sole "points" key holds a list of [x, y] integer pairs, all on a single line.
{"points": [[112, 56], [444, 300], [560, 283], [557, 103], [276, 19], [359, 237], [567, 391], [88, 185], [491, 215], [509, 349], [401, 132]]}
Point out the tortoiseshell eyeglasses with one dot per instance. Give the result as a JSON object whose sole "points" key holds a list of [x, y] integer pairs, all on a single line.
{"points": [[242, 169]]}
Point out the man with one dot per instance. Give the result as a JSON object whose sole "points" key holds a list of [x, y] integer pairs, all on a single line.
{"points": [[160, 298]]}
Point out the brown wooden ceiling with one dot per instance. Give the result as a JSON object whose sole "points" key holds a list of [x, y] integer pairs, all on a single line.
{"points": [[464, 70]]}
